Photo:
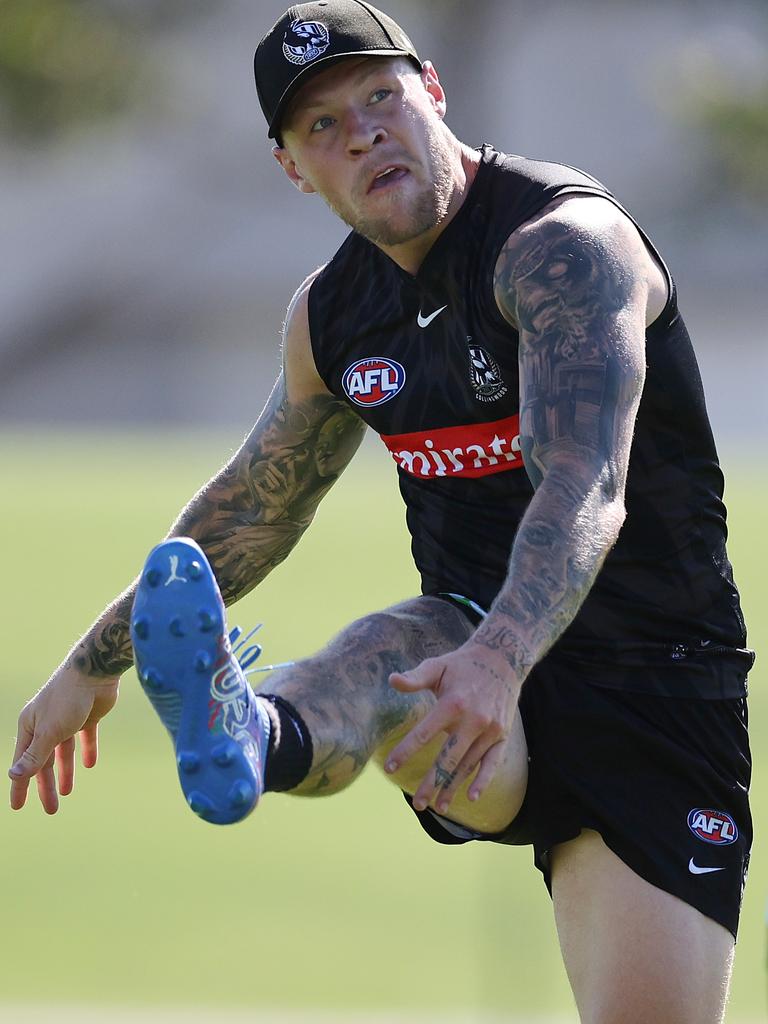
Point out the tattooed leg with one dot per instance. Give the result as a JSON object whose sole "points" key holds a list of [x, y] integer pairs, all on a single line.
{"points": [[354, 715], [343, 693]]}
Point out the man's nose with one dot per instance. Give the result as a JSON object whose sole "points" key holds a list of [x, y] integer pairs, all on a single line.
{"points": [[363, 134]]}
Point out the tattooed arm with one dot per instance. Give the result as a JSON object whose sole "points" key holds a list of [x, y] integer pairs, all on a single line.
{"points": [[578, 293], [578, 284], [250, 515], [246, 519]]}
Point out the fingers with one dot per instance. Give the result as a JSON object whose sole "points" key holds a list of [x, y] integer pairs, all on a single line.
{"points": [[426, 676], [30, 760], [442, 778], [35, 756], [488, 767], [464, 769], [437, 721], [65, 766], [46, 787], [89, 744], [27, 766], [36, 760], [23, 740], [19, 789], [456, 762], [45, 746]]}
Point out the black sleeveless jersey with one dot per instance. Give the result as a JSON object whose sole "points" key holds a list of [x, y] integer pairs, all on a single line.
{"points": [[430, 364]]}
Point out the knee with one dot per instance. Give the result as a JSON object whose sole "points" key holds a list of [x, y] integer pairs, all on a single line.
{"points": [[414, 630], [378, 632]]}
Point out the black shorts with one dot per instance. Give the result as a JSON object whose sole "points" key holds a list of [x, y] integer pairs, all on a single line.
{"points": [[663, 780]]}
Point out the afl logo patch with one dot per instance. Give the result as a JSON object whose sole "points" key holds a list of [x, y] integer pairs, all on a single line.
{"points": [[305, 41], [715, 827], [373, 381], [485, 375]]}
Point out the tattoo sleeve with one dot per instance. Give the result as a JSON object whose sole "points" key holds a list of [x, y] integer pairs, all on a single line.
{"points": [[576, 298], [251, 514]]}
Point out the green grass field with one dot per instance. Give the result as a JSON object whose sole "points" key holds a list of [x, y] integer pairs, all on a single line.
{"points": [[124, 898]]}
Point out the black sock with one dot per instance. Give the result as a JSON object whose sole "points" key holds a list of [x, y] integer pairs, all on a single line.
{"points": [[289, 755]]}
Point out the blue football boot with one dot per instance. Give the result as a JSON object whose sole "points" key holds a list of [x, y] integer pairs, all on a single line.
{"points": [[187, 668]]}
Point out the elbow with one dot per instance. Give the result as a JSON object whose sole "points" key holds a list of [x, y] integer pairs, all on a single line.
{"points": [[608, 512], [614, 518], [612, 512], [610, 487]]}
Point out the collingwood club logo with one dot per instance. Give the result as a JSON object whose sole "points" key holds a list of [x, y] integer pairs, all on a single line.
{"points": [[305, 41], [485, 375]]}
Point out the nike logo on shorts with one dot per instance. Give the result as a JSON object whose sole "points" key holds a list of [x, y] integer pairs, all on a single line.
{"points": [[425, 321], [696, 870]]}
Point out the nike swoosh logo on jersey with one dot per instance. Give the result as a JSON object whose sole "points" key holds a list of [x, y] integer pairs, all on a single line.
{"points": [[696, 870], [425, 321]]}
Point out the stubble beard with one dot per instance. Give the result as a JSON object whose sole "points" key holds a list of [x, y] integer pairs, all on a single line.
{"points": [[426, 210]]}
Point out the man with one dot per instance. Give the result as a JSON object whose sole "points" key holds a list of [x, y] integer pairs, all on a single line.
{"points": [[514, 337]]}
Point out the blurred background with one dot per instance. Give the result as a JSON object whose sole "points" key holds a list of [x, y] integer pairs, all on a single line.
{"points": [[149, 245]]}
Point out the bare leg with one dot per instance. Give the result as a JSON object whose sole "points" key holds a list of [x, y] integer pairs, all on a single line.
{"points": [[354, 715], [633, 952]]}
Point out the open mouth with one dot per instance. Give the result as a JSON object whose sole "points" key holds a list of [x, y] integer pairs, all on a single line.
{"points": [[387, 176]]}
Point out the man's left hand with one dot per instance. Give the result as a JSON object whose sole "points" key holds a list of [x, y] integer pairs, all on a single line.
{"points": [[476, 702]]}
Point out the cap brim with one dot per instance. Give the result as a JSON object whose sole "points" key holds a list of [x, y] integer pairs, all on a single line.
{"points": [[321, 65]]}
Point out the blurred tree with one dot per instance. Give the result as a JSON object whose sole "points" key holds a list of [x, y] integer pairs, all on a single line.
{"points": [[64, 63], [719, 84], [158, 13], [737, 130], [61, 63]]}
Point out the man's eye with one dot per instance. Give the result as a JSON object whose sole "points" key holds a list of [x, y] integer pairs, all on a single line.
{"points": [[380, 94], [321, 123]]}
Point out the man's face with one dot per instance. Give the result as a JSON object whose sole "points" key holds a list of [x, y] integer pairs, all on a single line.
{"points": [[367, 135]]}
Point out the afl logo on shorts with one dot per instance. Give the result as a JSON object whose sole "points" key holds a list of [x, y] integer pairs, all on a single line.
{"points": [[373, 381], [713, 826]]}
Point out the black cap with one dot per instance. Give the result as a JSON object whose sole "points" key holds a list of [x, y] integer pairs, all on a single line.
{"points": [[310, 38]]}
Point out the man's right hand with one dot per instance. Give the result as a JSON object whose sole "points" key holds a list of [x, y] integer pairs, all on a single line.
{"points": [[69, 703]]}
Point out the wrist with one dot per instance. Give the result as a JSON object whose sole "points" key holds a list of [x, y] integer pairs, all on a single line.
{"points": [[501, 646], [97, 666]]}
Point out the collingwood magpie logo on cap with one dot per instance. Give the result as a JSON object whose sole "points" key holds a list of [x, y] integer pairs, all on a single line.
{"points": [[305, 41]]}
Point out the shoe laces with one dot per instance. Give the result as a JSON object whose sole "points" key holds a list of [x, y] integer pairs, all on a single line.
{"points": [[247, 653]]}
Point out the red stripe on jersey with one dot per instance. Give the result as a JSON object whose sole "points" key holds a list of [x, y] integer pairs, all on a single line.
{"points": [[477, 449]]}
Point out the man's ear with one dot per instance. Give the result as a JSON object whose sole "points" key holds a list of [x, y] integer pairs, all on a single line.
{"points": [[289, 165], [435, 91]]}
